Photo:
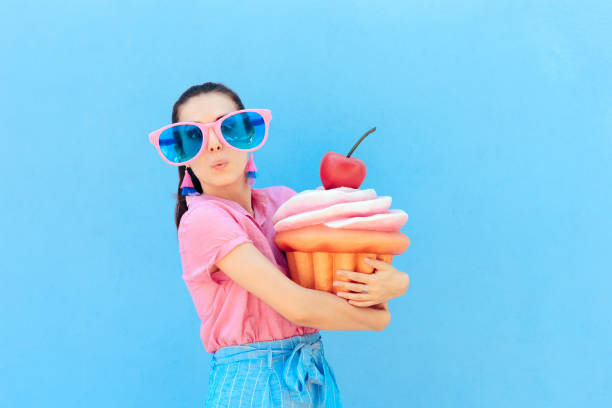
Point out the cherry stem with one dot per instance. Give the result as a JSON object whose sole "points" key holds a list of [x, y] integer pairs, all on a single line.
{"points": [[359, 141]]}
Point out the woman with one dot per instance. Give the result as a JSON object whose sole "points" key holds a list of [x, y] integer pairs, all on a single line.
{"points": [[261, 327]]}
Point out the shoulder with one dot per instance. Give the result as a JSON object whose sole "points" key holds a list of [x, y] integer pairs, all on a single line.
{"points": [[205, 214], [207, 232], [201, 210]]}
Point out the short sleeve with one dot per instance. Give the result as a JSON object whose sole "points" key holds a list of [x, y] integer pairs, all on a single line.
{"points": [[206, 234]]}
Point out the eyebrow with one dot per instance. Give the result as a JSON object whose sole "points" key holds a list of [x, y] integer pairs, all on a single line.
{"points": [[216, 119]]}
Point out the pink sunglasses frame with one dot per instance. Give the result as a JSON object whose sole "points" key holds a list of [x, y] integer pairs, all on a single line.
{"points": [[266, 114]]}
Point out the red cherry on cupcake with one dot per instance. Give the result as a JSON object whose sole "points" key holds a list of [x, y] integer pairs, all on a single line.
{"points": [[338, 170]]}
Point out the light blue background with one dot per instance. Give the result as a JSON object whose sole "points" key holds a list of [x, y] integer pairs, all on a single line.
{"points": [[494, 129]]}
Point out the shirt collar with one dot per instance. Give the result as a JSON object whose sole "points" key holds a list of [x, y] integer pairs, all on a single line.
{"points": [[258, 198]]}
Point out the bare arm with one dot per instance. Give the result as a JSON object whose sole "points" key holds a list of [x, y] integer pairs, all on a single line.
{"points": [[327, 311], [248, 267]]}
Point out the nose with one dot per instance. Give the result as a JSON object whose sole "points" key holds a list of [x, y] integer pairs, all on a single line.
{"points": [[213, 142]]}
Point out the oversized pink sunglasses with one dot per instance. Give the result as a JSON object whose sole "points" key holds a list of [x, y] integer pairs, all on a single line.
{"points": [[243, 130]]}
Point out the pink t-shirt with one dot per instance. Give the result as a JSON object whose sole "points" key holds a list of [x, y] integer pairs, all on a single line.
{"points": [[209, 229]]}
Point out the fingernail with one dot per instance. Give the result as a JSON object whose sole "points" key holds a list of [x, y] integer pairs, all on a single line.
{"points": [[366, 260], [340, 272], [335, 282]]}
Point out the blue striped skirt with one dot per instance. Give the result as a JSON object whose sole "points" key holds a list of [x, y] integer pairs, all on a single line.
{"points": [[291, 372]]}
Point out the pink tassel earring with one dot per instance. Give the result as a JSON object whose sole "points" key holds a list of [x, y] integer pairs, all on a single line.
{"points": [[251, 171], [187, 185]]}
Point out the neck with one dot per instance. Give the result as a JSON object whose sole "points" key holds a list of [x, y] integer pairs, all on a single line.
{"points": [[238, 191]]}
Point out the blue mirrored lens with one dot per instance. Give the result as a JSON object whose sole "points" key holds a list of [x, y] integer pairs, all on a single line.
{"points": [[244, 130], [180, 143]]}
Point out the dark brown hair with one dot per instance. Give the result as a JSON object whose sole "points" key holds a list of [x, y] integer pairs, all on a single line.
{"points": [[206, 87]]}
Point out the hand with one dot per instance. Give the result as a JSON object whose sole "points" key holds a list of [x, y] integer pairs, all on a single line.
{"points": [[381, 306], [374, 288]]}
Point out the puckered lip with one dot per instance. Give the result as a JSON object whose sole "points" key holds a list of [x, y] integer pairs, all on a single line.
{"points": [[218, 162]]}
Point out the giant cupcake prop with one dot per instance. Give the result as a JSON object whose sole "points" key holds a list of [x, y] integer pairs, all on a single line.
{"points": [[337, 225]]}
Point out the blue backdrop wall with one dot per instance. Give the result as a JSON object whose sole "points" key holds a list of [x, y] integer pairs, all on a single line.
{"points": [[494, 129]]}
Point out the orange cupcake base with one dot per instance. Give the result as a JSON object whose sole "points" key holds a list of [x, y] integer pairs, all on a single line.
{"points": [[316, 253], [318, 270]]}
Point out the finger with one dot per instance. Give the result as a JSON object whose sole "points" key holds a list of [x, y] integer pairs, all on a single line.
{"points": [[361, 303], [355, 287], [356, 276], [377, 263], [355, 296]]}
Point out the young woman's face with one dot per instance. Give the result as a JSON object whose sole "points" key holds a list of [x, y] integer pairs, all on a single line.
{"points": [[207, 108]]}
